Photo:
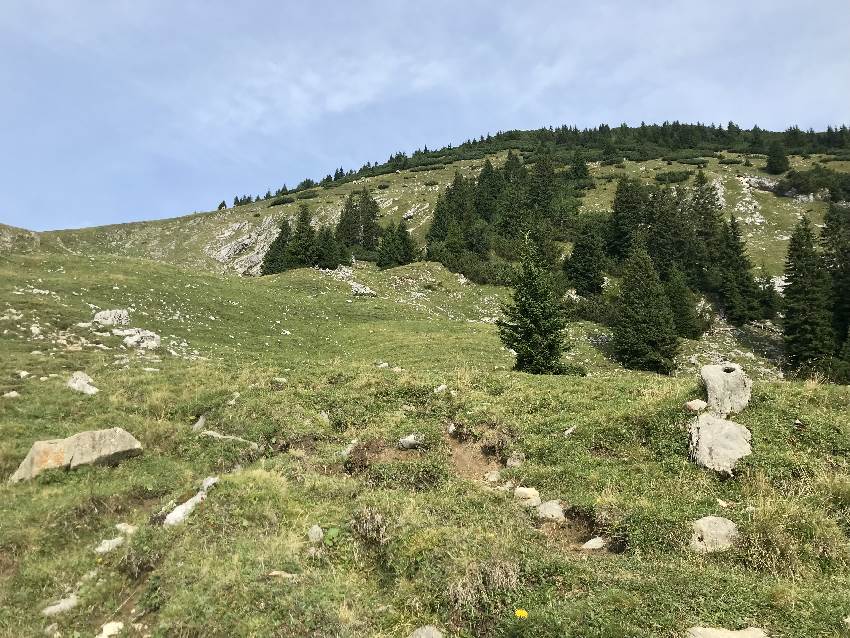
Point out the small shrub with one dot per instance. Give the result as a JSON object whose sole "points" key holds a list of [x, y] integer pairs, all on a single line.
{"points": [[730, 160], [431, 182], [280, 201], [307, 195], [672, 177], [383, 186]]}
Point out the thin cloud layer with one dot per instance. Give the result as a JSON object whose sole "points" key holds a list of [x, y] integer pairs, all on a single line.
{"points": [[134, 110]]}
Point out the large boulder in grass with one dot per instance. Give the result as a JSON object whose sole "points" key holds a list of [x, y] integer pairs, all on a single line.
{"points": [[112, 317], [728, 387], [95, 447], [713, 534], [718, 444]]}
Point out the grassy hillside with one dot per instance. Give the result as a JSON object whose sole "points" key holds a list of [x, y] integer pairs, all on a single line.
{"points": [[295, 364], [234, 239]]}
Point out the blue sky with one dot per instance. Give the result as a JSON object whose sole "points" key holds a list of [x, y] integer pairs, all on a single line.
{"points": [[119, 110]]}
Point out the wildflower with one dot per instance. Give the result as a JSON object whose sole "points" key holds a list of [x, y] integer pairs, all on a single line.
{"points": [[521, 613]]}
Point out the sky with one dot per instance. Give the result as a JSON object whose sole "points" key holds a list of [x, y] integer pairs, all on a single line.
{"points": [[123, 110]]}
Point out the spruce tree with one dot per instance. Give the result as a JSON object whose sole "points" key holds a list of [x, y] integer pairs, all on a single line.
{"points": [[777, 162], [807, 326], [584, 266], [738, 290], [541, 188], [222, 205], [628, 213], [769, 300], [406, 245], [683, 305], [328, 254], [512, 210], [370, 231], [274, 261], [389, 250], [487, 190], [534, 320], [836, 244], [578, 166], [348, 229], [644, 332], [300, 249], [513, 169], [707, 215]]}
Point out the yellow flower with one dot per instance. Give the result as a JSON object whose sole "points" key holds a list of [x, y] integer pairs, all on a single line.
{"points": [[521, 613]]}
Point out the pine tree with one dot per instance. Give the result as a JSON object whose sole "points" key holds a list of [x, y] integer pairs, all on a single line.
{"points": [[683, 305], [584, 266], [513, 169], [777, 162], [631, 203], [274, 261], [534, 321], [578, 166], [328, 253], [769, 300], [406, 246], [836, 244], [389, 250], [348, 229], [644, 332], [807, 326], [512, 216], [487, 190], [300, 249], [707, 215], [542, 184], [738, 290], [440, 221], [222, 205], [369, 210]]}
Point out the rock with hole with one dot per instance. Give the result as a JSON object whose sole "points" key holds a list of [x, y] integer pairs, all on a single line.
{"points": [[728, 387]]}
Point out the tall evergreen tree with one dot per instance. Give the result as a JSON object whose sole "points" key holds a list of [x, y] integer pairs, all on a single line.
{"points": [[389, 250], [222, 205], [513, 169], [807, 325], [348, 229], [738, 289], [328, 252], [274, 261], [644, 332], [300, 249], [707, 214], [777, 162], [836, 244], [578, 166], [541, 187], [769, 300], [584, 266], [682, 300], [406, 245], [370, 231], [631, 203], [487, 190], [535, 320]]}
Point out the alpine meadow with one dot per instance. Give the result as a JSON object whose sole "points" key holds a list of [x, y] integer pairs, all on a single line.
{"points": [[585, 381]]}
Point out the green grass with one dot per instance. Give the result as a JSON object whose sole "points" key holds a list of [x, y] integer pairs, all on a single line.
{"points": [[417, 543]]}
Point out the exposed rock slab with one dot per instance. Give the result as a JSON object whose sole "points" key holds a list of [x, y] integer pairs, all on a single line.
{"points": [[112, 317], [728, 387], [61, 606], [426, 631], [81, 382], [718, 444], [182, 511], [94, 447], [713, 534], [709, 632], [139, 338]]}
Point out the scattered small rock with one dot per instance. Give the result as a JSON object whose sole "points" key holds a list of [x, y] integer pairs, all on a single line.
{"points": [[94, 447], [182, 511], [199, 424], [426, 631], [112, 318], [713, 534], [696, 405], [718, 444], [61, 606], [550, 511], [228, 437], [709, 632], [11, 395], [728, 387], [515, 459], [413, 441], [139, 338], [493, 476], [527, 496], [315, 534], [595, 543], [569, 430], [81, 382], [441, 388], [110, 629]]}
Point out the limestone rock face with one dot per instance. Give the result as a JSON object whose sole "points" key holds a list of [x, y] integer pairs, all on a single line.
{"points": [[112, 318], [709, 632], [139, 338], [94, 447], [713, 534], [718, 444], [728, 387]]}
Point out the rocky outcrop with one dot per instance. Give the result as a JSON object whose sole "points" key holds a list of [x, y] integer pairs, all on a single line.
{"points": [[81, 382], [95, 447], [139, 338], [718, 444], [182, 511], [728, 387], [713, 534], [112, 318]]}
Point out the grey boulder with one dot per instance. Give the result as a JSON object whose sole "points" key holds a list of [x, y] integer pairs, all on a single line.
{"points": [[709, 632], [427, 631], [728, 387], [713, 534], [718, 444], [94, 447]]}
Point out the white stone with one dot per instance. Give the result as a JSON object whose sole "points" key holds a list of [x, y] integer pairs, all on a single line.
{"points": [[595, 543], [728, 387], [528, 496], [713, 534], [412, 441], [315, 534], [11, 395], [60, 607], [493, 476], [107, 545], [112, 317], [515, 459], [228, 437], [718, 444], [709, 632], [550, 511], [81, 382], [426, 631], [696, 405], [182, 511], [139, 338], [441, 388], [110, 629]]}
